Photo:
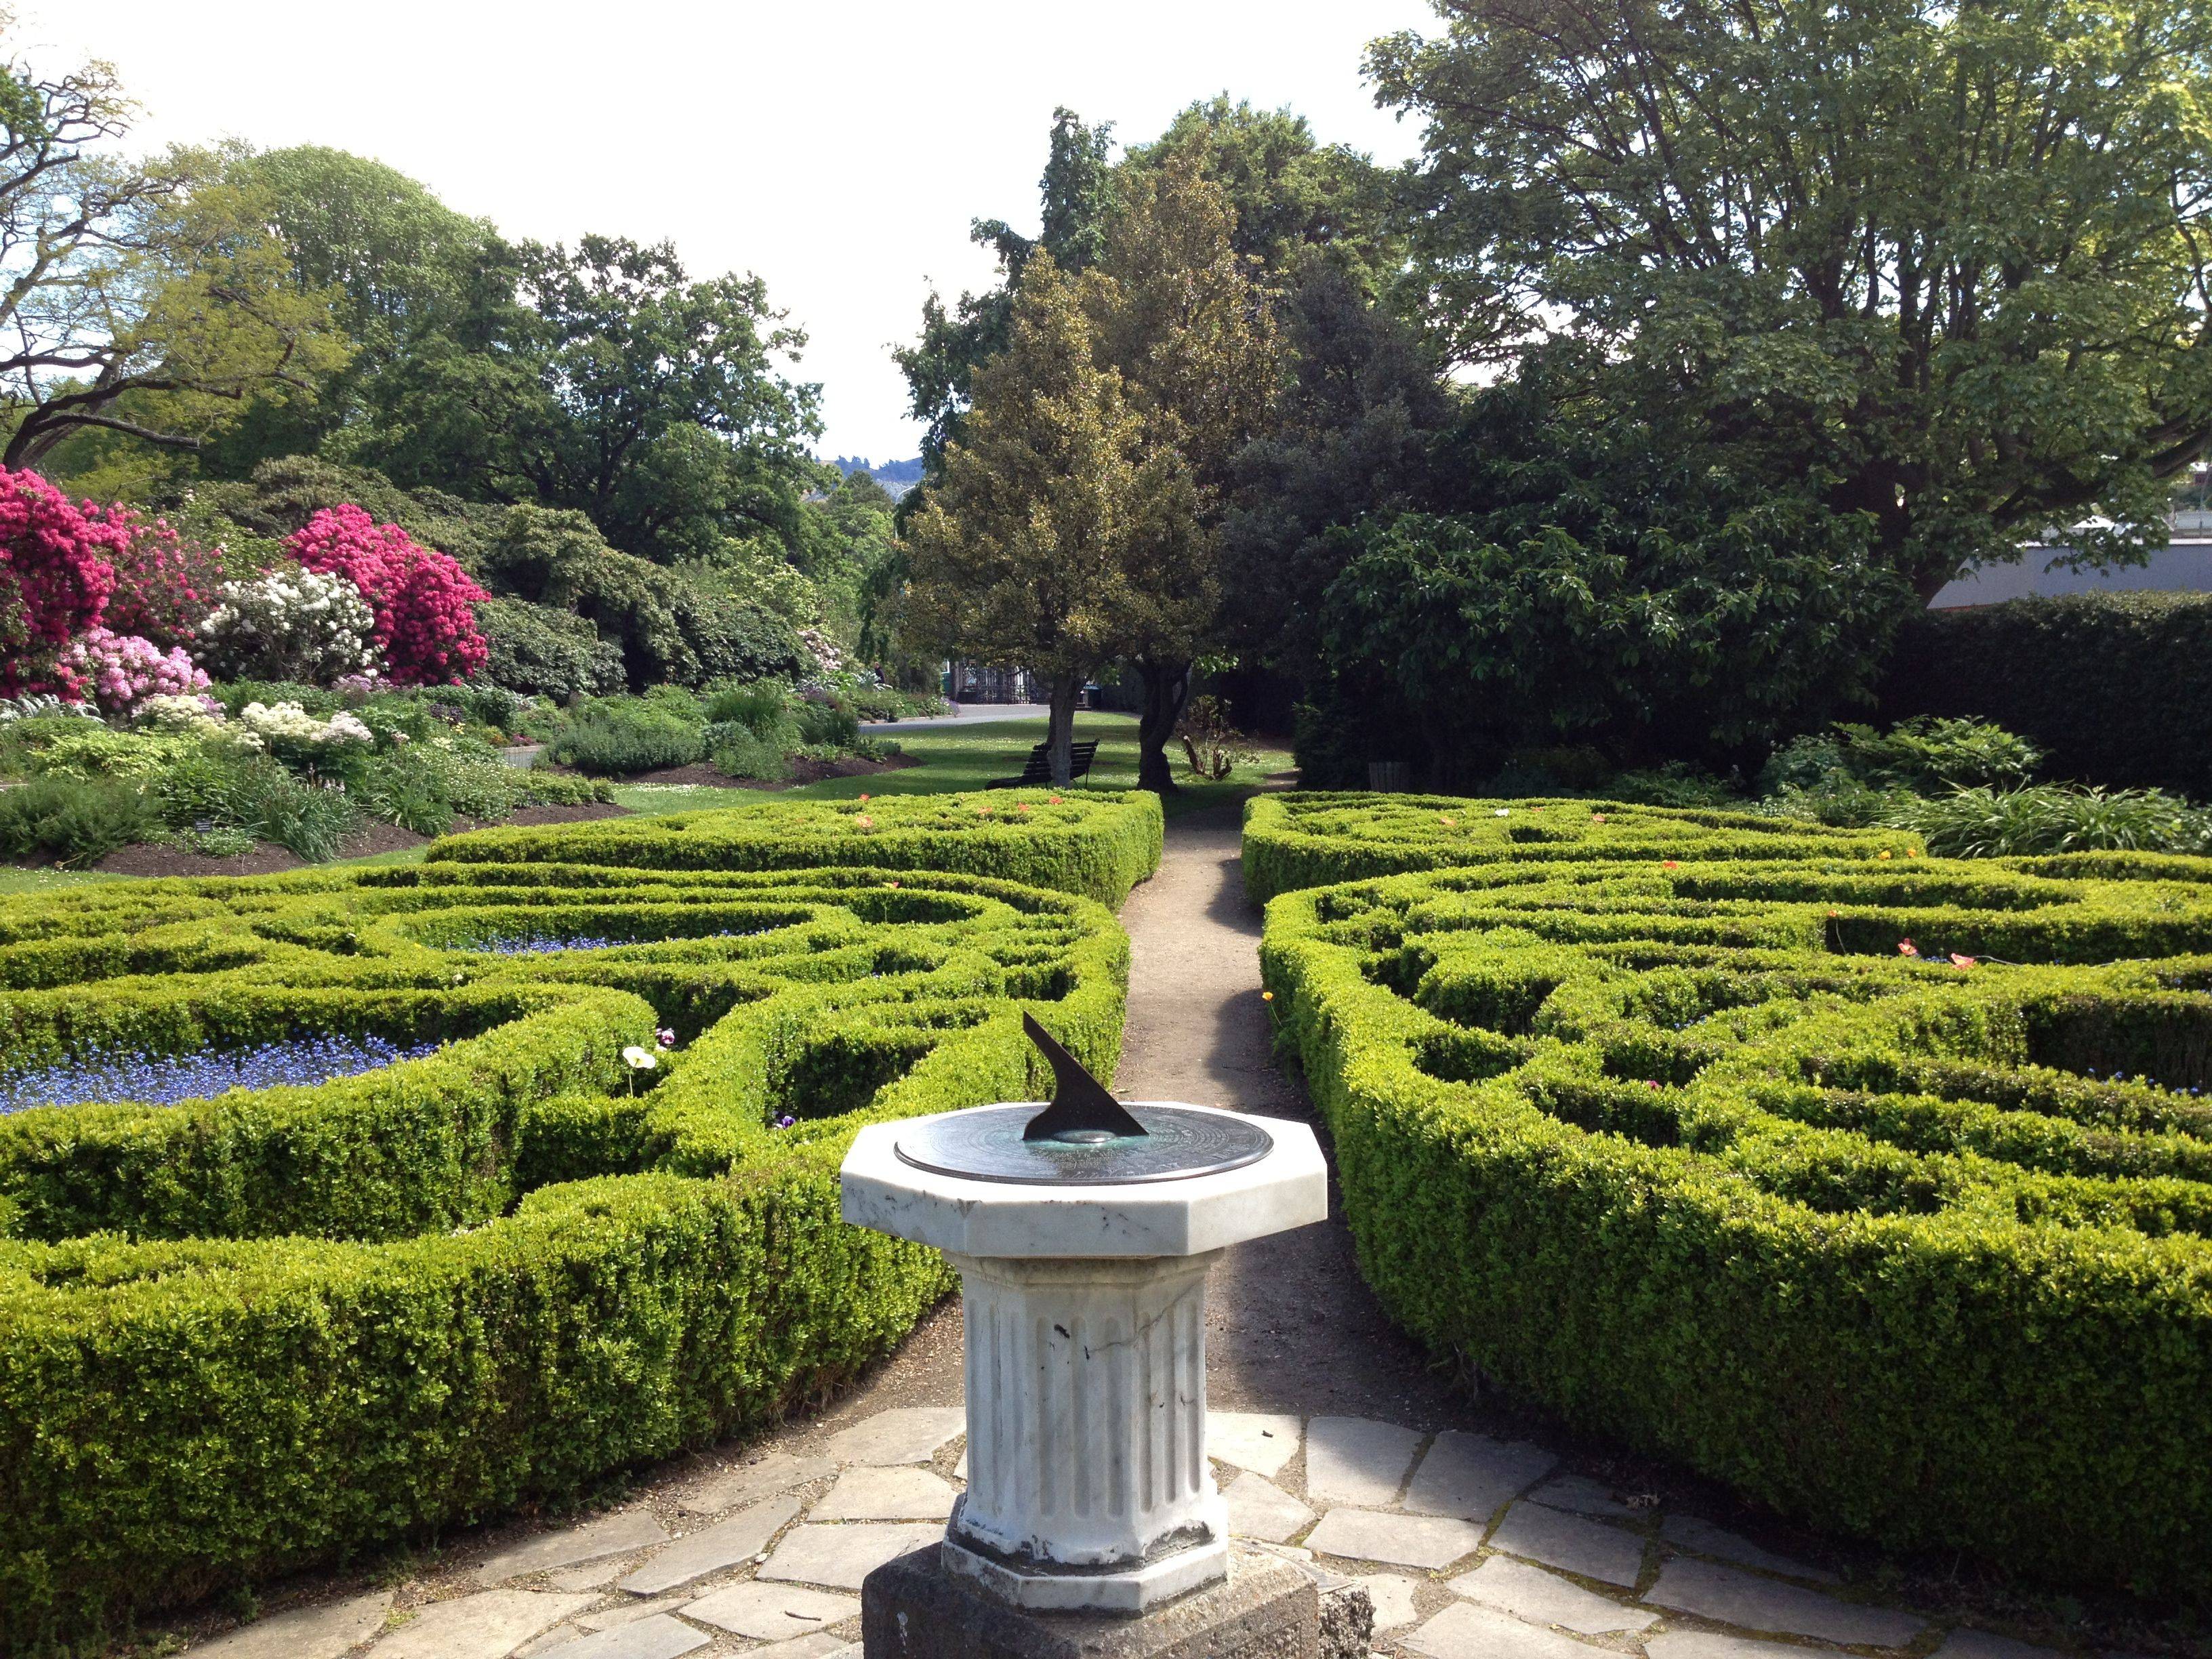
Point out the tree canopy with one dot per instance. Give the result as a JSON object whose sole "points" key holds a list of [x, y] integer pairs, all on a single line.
{"points": [[1950, 263]]}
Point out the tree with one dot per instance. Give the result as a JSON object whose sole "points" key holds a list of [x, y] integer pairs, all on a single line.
{"points": [[403, 273], [1949, 263], [1022, 554], [1191, 332], [1077, 192], [147, 300], [1289, 193]]}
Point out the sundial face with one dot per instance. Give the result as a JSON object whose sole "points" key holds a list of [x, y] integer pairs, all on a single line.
{"points": [[987, 1143]]}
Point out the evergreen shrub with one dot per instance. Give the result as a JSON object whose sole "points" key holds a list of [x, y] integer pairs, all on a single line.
{"points": [[245, 1335], [1094, 841], [1879, 1187]]}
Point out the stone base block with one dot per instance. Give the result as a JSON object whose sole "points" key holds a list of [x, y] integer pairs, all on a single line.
{"points": [[1267, 1608]]}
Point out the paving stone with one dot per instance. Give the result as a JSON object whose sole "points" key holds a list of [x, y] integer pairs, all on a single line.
{"points": [[1711, 1644], [725, 1543], [1545, 1598], [1403, 1540], [656, 1637], [766, 1611], [1393, 1598], [610, 1535], [321, 1633], [1964, 1644], [490, 1625], [596, 1575], [546, 1640], [1259, 1441], [1563, 1541], [899, 1493], [1469, 1475], [1355, 1460], [1463, 1631], [905, 1434], [1732, 1597], [748, 1483], [1258, 1508], [807, 1647], [840, 1557], [1687, 1532], [1584, 1497], [625, 1612]]}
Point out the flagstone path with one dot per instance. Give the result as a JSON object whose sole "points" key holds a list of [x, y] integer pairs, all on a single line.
{"points": [[1334, 1440]]}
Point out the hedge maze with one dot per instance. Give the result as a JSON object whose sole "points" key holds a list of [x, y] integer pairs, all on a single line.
{"points": [[242, 1333], [1097, 842], [1878, 1186]]}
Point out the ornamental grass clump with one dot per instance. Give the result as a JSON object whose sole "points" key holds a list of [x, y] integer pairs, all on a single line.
{"points": [[585, 1217], [1874, 1184]]}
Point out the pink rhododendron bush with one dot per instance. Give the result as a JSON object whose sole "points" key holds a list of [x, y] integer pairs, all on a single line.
{"points": [[165, 586], [55, 575], [426, 625], [119, 672]]}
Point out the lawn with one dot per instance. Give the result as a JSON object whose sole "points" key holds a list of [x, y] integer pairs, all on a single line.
{"points": [[968, 756]]}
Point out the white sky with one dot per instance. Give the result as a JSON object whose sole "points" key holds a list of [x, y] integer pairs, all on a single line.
{"points": [[838, 151]]}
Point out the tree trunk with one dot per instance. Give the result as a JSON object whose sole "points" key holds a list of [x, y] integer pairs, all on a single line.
{"points": [[1167, 688], [1060, 729]]}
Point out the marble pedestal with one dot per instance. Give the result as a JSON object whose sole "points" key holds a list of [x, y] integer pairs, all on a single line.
{"points": [[1088, 1487]]}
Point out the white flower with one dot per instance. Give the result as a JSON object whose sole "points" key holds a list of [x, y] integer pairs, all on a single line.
{"points": [[639, 1059], [1503, 813]]}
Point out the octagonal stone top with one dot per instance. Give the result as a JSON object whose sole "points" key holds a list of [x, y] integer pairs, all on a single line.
{"points": [[1288, 1188]]}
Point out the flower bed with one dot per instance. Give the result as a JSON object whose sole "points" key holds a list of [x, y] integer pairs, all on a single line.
{"points": [[165, 1079], [1097, 842], [1880, 1187], [242, 1334]]}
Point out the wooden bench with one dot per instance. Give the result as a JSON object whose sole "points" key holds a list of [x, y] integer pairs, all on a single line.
{"points": [[1038, 768]]}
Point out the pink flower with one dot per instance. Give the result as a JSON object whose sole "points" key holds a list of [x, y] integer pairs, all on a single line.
{"points": [[1905, 947], [426, 625]]}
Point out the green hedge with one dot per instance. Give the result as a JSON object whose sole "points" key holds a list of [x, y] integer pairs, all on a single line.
{"points": [[1097, 842], [1311, 839], [1687, 1149], [2110, 683], [240, 1335]]}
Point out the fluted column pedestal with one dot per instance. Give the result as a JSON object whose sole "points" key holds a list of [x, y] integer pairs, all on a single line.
{"points": [[1087, 1486]]}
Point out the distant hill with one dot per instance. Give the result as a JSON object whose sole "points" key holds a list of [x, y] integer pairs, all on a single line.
{"points": [[896, 476]]}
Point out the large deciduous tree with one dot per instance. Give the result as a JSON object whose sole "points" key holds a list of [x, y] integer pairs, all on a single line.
{"points": [[1022, 554], [147, 300], [1947, 264]]}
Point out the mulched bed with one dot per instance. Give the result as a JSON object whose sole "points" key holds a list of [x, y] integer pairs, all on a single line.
{"points": [[266, 858], [802, 771]]}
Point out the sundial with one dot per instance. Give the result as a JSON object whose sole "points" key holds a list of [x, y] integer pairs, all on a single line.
{"points": [[1085, 1138]]}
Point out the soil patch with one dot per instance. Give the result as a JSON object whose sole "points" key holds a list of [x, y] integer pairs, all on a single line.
{"points": [[802, 771]]}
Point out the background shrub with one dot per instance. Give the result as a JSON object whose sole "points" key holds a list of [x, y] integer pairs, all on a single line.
{"points": [[613, 736], [71, 823], [2002, 823], [542, 652], [2105, 683]]}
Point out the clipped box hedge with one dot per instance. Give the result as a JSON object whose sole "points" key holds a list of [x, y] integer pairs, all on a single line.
{"points": [[1312, 839], [1687, 1149], [246, 1334], [1097, 842]]}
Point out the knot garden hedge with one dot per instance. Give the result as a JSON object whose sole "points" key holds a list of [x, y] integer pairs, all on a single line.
{"points": [[1878, 1186], [1097, 842], [244, 1333]]}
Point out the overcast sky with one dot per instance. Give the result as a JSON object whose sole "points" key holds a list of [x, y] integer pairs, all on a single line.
{"points": [[839, 151]]}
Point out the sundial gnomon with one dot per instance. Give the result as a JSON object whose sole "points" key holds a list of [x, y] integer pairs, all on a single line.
{"points": [[1085, 1138]]}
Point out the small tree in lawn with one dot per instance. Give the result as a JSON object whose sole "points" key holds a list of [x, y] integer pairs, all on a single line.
{"points": [[1021, 554]]}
